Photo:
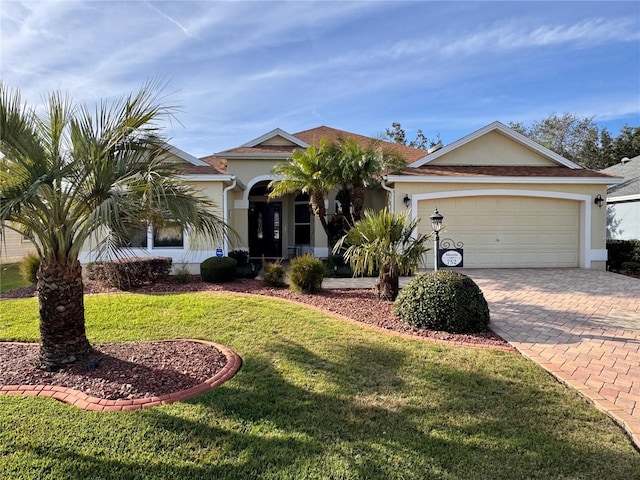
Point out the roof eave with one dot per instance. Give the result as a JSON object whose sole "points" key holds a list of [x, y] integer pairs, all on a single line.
{"points": [[498, 179]]}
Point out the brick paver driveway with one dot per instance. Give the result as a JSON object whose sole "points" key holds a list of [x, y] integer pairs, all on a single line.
{"points": [[583, 326]]}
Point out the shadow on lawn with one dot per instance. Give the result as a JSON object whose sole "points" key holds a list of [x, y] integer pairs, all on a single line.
{"points": [[474, 424], [293, 414]]}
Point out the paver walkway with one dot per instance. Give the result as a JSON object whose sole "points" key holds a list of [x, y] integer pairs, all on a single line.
{"points": [[583, 326]]}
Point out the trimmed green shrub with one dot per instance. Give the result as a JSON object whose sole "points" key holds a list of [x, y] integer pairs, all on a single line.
{"points": [[249, 270], [128, 273], [240, 256], [306, 275], [619, 252], [218, 269], [631, 267], [29, 267], [443, 300], [273, 274], [335, 266]]}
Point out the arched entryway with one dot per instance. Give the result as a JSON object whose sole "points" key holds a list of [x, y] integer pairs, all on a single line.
{"points": [[265, 223]]}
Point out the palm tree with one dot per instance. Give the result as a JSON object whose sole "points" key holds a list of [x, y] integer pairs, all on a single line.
{"points": [[68, 175], [307, 171], [359, 167], [384, 242]]}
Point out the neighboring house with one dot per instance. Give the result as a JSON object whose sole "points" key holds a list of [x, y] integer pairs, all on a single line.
{"points": [[623, 201], [510, 201]]}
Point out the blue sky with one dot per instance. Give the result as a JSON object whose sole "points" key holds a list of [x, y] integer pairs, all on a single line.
{"points": [[241, 69]]}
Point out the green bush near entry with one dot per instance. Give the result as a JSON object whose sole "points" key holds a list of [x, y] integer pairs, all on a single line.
{"points": [[307, 273], [218, 269]]}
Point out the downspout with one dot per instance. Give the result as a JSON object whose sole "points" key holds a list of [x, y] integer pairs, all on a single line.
{"points": [[392, 195], [225, 212]]}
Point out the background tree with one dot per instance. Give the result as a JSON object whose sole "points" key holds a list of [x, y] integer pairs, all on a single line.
{"points": [[67, 174], [580, 140], [384, 242], [396, 134], [307, 171]]}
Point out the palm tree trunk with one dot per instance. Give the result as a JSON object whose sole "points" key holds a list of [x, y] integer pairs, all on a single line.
{"points": [[61, 297], [357, 200], [388, 284]]}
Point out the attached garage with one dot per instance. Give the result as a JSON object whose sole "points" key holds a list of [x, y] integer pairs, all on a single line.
{"points": [[510, 231], [510, 201]]}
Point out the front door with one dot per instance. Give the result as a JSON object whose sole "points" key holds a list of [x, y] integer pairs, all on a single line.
{"points": [[265, 229]]}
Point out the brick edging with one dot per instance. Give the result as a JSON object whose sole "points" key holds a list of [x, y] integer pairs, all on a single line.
{"points": [[87, 402]]}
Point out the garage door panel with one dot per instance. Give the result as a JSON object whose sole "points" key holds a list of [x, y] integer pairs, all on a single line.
{"points": [[510, 231]]}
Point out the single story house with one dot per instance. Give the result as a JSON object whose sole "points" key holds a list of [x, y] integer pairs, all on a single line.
{"points": [[623, 201], [512, 202]]}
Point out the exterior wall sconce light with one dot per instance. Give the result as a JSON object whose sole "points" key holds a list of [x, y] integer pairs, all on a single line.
{"points": [[599, 200], [436, 225], [406, 200]]}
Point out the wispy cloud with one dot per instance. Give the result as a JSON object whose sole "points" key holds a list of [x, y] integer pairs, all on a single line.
{"points": [[172, 20]]}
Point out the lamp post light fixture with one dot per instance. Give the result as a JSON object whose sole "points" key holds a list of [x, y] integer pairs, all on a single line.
{"points": [[406, 200], [436, 225]]}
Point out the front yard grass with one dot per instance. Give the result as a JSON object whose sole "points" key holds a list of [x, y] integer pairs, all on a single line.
{"points": [[10, 277], [315, 398]]}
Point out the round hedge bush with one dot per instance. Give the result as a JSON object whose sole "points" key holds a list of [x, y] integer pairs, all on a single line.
{"points": [[443, 300], [218, 269]]}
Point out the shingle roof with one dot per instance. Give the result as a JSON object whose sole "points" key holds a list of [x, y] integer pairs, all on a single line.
{"points": [[217, 166], [630, 171], [313, 137]]}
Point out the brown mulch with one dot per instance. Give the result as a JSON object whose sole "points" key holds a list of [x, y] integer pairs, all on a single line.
{"points": [[145, 369]]}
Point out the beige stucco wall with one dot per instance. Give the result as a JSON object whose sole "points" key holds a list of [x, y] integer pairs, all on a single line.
{"points": [[493, 148]]}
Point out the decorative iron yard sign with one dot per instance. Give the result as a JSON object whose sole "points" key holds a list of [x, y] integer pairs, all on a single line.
{"points": [[450, 254]]}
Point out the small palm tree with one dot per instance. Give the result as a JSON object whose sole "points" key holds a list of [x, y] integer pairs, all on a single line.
{"points": [[384, 242], [359, 167], [69, 175], [307, 171]]}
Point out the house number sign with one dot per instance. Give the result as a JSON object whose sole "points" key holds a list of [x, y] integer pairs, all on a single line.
{"points": [[451, 258], [450, 253]]}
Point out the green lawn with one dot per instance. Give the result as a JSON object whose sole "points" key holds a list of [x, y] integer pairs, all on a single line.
{"points": [[316, 398], [10, 277]]}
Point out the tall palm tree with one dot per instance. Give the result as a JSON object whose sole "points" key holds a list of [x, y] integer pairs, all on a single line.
{"points": [[386, 243], [69, 175], [359, 167], [307, 171]]}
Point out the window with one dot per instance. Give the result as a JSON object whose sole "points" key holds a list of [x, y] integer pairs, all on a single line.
{"points": [[171, 236], [302, 220], [136, 237]]}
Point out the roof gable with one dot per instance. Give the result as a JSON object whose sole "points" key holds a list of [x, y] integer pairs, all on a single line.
{"points": [[276, 137], [479, 149]]}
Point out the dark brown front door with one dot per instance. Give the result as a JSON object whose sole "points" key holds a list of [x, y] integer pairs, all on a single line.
{"points": [[265, 229]]}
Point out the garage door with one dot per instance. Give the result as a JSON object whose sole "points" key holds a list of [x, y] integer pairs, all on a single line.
{"points": [[509, 231]]}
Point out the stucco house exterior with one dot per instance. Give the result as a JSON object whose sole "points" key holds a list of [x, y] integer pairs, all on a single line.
{"points": [[623, 201], [510, 201]]}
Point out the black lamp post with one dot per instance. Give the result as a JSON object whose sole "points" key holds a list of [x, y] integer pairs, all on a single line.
{"points": [[436, 225]]}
